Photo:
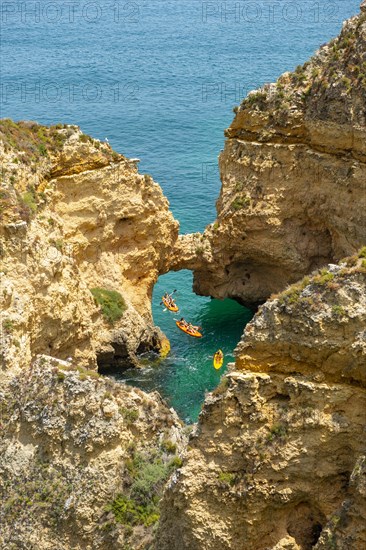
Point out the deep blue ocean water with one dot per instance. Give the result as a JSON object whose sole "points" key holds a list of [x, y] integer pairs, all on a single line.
{"points": [[159, 79]]}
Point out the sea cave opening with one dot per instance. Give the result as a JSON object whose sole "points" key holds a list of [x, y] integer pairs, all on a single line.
{"points": [[187, 373]]}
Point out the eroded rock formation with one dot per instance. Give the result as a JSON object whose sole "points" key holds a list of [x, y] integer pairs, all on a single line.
{"points": [[278, 459], [83, 460], [77, 216], [293, 173], [84, 236]]}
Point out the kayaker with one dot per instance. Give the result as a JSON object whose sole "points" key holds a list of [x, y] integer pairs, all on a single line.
{"points": [[193, 328], [218, 359], [188, 328], [169, 300]]}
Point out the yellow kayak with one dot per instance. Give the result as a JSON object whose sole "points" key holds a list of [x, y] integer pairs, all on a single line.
{"points": [[191, 332], [171, 306], [218, 359]]}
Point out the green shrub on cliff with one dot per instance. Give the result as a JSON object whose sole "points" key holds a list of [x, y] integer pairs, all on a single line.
{"points": [[241, 202], [149, 479], [111, 302], [128, 512], [324, 277], [169, 446], [175, 462], [8, 325], [227, 478], [32, 139], [42, 149], [277, 431], [40, 493], [130, 415], [255, 98], [30, 201], [148, 475], [85, 138], [338, 311]]}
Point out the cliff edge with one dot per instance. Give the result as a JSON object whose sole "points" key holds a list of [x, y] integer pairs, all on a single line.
{"points": [[84, 237], [293, 172], [83, 460], [278, 459]]}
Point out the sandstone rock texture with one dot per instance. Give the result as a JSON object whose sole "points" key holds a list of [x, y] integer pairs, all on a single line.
{"points": [[84, 236], [278, 458], [75, 216], [293, 173], [83, 460]]}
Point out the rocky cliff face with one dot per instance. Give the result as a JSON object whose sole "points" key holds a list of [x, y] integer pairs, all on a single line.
{"points": [[84, 236], [293, 178], [83, 460], [76, 217], [278, 459]]}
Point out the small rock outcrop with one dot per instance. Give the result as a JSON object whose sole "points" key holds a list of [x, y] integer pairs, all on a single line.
{"points": [[293, 174], [278, 458], [84, 237]]}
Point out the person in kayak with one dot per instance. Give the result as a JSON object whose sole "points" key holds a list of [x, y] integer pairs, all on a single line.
{"points": [[219, 355], [218, 359], [169, 300], [191, 328], [194, 327], [188, 328]]}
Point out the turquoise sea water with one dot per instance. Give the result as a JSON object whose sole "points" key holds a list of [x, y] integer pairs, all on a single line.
{"points": [[159, 79], [188, 373]]}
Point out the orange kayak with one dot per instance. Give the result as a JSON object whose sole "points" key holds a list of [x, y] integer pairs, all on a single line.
{"points": [[191, 332], [169, 306]]}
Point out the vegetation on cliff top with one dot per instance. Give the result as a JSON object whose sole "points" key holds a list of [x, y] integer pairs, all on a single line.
{"points": [[32, 140], [309, 291], [31, 152], [339, 65]]}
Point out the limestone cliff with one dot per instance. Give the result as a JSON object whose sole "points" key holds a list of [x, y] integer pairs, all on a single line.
{"points": [[83, 460], [84, 236], [278, 458], [293, 173], [77, 217]]}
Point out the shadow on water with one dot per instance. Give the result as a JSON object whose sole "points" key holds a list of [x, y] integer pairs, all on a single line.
{"points": [[187, 373]]}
